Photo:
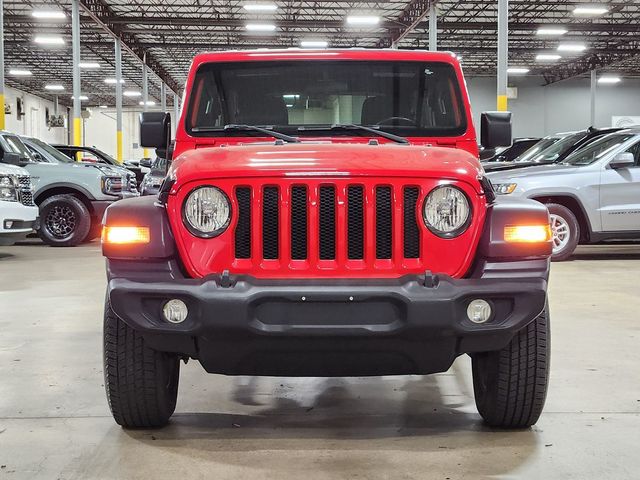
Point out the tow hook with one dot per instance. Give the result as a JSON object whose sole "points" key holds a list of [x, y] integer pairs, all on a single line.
{"points": [[225, 279], [430, 280]]}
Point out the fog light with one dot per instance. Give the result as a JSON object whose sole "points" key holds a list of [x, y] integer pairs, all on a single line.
{"points": [[175, 311], [479, 311]]}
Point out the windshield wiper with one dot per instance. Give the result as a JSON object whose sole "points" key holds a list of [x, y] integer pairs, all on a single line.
{"points": [[249, 128], [362, 128]]}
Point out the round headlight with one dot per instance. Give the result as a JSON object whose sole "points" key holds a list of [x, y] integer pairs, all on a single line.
{"points": [[446, 212], [206, 212]]}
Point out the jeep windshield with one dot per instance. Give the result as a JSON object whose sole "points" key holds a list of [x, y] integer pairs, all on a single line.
{"points": [[300, 98]]}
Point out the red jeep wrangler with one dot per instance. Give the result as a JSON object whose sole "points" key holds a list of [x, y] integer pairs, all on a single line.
{"points": [[325, 214]]}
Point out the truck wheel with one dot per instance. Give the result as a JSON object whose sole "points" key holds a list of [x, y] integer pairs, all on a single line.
{"points": [[141, 383], [94, 232], [510, 385], [565, 230], [65, 221]]}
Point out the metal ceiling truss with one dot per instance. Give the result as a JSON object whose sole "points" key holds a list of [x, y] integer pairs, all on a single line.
{"points": [[170, 32]]}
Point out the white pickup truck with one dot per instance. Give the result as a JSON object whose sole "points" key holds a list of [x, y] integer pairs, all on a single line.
{"points": [[18, 213]]}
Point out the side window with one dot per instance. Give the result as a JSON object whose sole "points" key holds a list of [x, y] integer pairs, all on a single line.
{"points": [[36, 155], [635, 149]]}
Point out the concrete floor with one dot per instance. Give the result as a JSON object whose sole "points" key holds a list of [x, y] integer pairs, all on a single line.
{"points": [[54, 420]]}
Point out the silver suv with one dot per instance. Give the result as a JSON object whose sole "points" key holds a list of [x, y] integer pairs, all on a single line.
{"points": [[592, 196]]}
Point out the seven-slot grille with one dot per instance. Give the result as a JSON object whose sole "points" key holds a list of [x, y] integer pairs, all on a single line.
{"points": [[25, 193], [327, 222]]}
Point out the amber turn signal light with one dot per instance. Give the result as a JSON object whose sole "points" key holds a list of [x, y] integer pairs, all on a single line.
{"points": [[125, 235], [527, 233]]}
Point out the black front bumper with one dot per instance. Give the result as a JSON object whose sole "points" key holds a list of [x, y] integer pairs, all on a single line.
{"points": [[411, 325]]}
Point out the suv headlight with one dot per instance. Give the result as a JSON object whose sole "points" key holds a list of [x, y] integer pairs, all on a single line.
{"points": [[111, 185], [8, 191], [446, 211], [206, 212], [504, 188]]}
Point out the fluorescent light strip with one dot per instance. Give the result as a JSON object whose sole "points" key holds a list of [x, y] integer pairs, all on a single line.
{"points": [[590, 10], [112, 81], [547, 57], [260, 7], [89, 65], [150, 103], [48, 14], [551, 31], [572, 47], [20, 73], [363, 20], [82, 98], [260, 27], [131, 93], [518, 70], [609, 80], [54, 87], [314, 43], [44, 40]]}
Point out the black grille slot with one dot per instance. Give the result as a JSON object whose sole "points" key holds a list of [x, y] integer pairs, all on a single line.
{"points": [[384, 241], [411, 231], [327, 220], [299, 223], [355, 223], [270, 223], [243, 229]]}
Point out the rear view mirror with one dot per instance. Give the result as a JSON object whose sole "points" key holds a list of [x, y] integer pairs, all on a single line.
{"points": [[622, 160], [495, 129], [155, 129]]}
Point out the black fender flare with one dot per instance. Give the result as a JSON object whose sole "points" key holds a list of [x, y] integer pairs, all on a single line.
{"points": [[71, 186]]}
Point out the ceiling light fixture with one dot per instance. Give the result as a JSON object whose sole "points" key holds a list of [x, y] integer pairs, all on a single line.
{"points": [[363, 20], [20, 73], [89, 65], [260, 7], [131, 93], [551, 31], [112, 81], [547, 57], [49, 40], [518, 70], [102, 106], [591, 10], [609, 80], [48, 14], [314, 43], [81, 97], [150, 103], [54, 87], [260, 27], [572, 47]]}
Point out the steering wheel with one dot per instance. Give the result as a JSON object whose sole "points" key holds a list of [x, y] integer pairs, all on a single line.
{"points": [[397, 121]]}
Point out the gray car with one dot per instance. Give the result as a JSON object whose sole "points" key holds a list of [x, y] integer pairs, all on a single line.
{"points": [[72, 196], [592, 196]]}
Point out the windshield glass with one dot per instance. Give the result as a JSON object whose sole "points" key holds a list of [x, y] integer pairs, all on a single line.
{"points": [[13, 144], [597, 149], [404, 98], [549, 153], [50, 152]]}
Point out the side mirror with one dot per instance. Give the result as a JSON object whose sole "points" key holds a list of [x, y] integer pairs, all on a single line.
{"points": [[13, 159], [155, 129], [622, 160], [495, 129], [145, 162]]}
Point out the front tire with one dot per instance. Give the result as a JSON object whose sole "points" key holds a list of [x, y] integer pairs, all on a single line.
{"points": [[65, 221], [565, 230], [510, 385], [141, 383]]}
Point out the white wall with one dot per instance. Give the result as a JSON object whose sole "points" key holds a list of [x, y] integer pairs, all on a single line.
{"points": [[33, 122], [100, 132], [541, 110]]}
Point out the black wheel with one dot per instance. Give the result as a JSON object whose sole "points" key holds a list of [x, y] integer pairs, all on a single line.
{"points": [[510, 385], [141, 383], [94, 231], [64, 221], [565, 230]]}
